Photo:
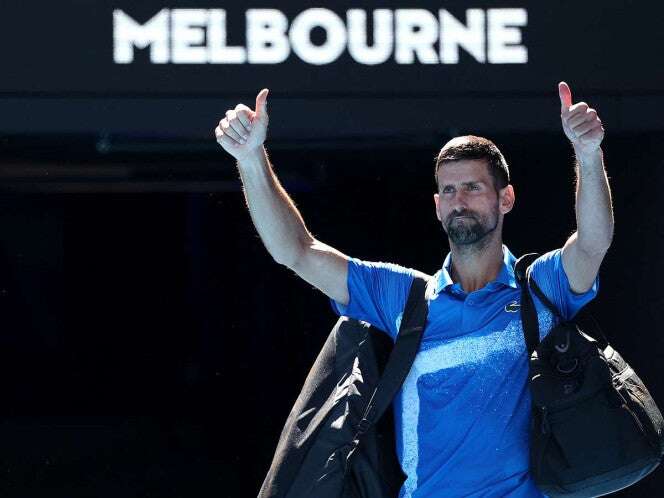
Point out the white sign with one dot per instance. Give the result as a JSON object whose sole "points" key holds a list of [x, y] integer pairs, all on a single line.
{"points": [[409, 36]]}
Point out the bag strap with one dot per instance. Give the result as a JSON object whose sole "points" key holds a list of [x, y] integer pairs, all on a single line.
{"points": [[528, 312], [523, 273], [402, 356]]}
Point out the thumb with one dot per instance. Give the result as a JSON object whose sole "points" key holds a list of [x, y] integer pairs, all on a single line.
{"points": [[261, 104], [565, 95]]}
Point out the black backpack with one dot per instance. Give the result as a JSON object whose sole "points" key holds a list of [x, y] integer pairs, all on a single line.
{"points": [[595, 427], [338, 441]]}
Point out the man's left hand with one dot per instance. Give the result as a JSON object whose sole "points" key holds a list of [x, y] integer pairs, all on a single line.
{"points": [[581, 123]]}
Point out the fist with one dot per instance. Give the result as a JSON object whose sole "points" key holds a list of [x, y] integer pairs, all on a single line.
{"points": [[243, 131], [581, 123]]}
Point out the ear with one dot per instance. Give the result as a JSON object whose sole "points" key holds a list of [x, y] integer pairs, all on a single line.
{"points": [[436, 200], [506, 199]]}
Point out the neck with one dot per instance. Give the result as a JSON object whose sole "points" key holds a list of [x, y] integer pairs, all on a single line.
{"points": [[477, 265]]}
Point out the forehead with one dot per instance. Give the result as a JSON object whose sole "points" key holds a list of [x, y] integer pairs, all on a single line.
{"points": [[464, 170]]}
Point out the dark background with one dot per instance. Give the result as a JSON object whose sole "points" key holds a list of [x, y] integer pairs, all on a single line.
{"points": [[150, 347]]}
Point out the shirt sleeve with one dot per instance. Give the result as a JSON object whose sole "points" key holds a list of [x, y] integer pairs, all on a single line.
{"points": [[378, 294], [548, 272]]}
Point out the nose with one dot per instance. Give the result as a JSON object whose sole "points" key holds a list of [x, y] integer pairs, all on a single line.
{"points": [[459, 203]]}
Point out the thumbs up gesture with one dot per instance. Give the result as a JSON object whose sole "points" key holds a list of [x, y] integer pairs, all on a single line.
{"points": [[243, 131], [581, 124]]}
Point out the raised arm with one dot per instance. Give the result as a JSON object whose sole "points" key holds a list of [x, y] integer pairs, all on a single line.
{"points": [[278, 222], [584, 251]]}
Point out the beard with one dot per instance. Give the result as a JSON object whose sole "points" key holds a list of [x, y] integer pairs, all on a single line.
{"points": [[467, 228]]}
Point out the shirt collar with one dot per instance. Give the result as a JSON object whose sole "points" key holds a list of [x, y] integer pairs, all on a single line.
{"points": [[505, 276]]}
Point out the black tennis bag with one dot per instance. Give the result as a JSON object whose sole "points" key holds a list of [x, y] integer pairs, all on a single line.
{"points": [[595, 427], [338, 441]]}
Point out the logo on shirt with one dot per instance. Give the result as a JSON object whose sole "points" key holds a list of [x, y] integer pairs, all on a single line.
{"points": [[512, 307]]}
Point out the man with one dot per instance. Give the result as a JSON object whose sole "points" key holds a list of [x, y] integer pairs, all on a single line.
{"points": [[462, 415]]}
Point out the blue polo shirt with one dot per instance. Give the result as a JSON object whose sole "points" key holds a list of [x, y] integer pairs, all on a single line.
{"points": [[462, 415]]}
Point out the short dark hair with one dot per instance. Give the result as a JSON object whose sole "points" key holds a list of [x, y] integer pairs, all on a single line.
{"points": [[472, 147]]}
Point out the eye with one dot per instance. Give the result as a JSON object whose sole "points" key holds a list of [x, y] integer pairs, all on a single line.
{"points": [[473, 186], [448, 190]]}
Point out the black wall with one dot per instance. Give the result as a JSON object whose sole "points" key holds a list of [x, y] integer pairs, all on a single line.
{"points": [[151, 347]]}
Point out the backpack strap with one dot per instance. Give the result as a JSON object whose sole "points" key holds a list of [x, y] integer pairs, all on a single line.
{"points": [[542, 297], [402, 356], [522, 271], [528, 312]]}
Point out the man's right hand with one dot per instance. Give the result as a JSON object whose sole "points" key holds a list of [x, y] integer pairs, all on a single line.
{"points": [[242, 132], [281, 227]]}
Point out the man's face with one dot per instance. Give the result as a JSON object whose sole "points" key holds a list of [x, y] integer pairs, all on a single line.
{"points": [[467, 203]]}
